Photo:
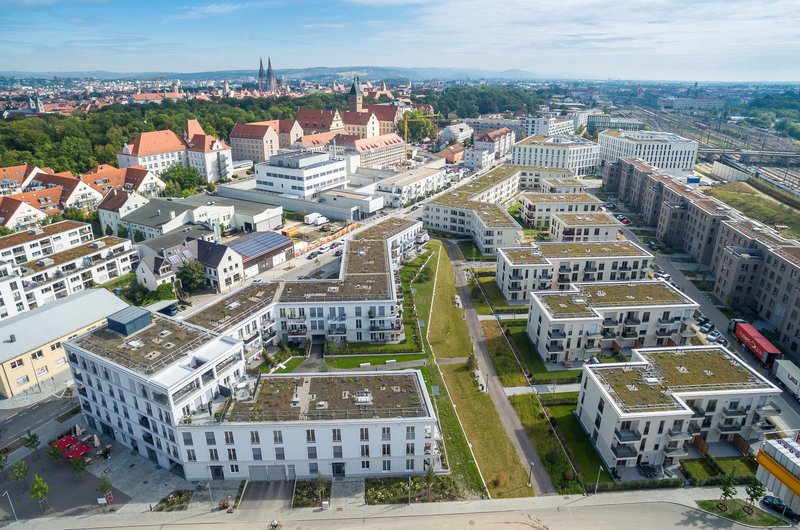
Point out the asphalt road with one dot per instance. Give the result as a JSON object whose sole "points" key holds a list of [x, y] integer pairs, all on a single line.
{"points": [[16, 422]]}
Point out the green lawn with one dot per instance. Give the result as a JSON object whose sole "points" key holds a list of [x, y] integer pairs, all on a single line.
{"points": [[374, 360], [578, 443], [498, 459], [735, 513], [448, 333], [290, 365], [699, 468], [493, 292], [123, 281], [472, 253], [703, 285], [554, 459], [534, 362], [758, 206], [739, 466], [503, 358], [409, 345]]}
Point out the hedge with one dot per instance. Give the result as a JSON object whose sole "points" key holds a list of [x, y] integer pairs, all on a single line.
{"points": [[643, 484]]}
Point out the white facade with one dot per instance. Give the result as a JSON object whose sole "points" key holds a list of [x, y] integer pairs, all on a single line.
{"points": [[24, 216], [672, 153], [607, 318], [532, 178], [110, 212], [538, 208], [302, 174], [12, 295], [649, 410], [478, 159], [214, 162], [548, 126], [411, 186], [38, 242], [584, 227], [498, 142], [779, 469], [575, 153], [460, 132], [551, 266]]}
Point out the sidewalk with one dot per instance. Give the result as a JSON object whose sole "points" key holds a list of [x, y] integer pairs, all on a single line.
{"points": [[542, 389], [50, 386]]}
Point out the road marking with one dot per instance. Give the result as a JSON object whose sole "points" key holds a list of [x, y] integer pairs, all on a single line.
{"points": [[13, 415]]}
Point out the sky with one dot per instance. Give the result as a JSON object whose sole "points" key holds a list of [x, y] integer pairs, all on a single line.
{"points": [[696, 40]]}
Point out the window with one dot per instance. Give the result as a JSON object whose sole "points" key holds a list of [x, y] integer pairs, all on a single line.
{"points": [[191, 456], [337, 435], [277, 437], [337, 451], [213, 455], [313, 468], [37, 355], [17, 364], [234, 468], [187, 439], [386, 433], [55, 346], [386, 450], [22, 380], [279, 455], [365, 464], [387, 465], [311, 436], [409, 464], [228, 437], [410, 433], [254, 437], [256, 453], [312, 453], [364, 434], [409, 449], [210, 440], [364, 450], [231, 453]]}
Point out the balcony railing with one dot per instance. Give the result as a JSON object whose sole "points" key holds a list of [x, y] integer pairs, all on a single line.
{"points": [[610, 322], [678, 450], [662, 320], [727, 429], [627, 435], [694, 430], [733, 412], [555, 348], [629, 334], [679, 433], [632, 321], [590, 268], [664, 332], [557, 334], [623, 451]]}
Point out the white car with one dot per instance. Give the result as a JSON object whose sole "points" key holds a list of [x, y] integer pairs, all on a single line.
{"points": [[258, 280], [714, 335], [323, 248]]}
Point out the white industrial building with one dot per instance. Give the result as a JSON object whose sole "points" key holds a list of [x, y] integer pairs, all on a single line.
{"points": [[650, 410], [303, 174], [672, 153], [779, 469], [608, 318], [572, 152], [550, 266], [412, 186]]}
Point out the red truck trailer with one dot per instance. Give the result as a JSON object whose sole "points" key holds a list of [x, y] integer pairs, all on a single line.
{"points": [[753, 340]]}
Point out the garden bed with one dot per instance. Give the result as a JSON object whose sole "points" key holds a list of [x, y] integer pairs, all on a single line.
{"points": [[178, 500], [736, 513], [311, 493], [428, 488]]}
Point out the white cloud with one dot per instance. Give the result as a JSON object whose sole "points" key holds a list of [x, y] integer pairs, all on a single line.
{"points": [[212, 10]]}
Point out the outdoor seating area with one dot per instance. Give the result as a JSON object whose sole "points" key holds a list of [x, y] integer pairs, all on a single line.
{"points": [[79, 445]]}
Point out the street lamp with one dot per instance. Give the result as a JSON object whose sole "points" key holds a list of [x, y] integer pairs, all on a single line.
{"points": [[597, 482], [12, 505], [530, 471]]}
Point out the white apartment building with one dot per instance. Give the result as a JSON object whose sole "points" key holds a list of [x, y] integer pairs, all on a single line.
{"points": [[551, 266], [538, 208], [476, 209], [532, 178], [491, 122], [17, 215], [478, 159], [672, 153], [302, 174], [257, 141], [26, 246], [412, 186], [608, 318], [458, 132], [548, 126], [497, 142], [650, 410], [592, 226], [575, 153], [562, 186]]}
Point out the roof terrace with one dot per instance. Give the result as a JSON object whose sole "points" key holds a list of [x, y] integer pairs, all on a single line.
{"points": [[361, 287], [561, 198], [566, 304], [632, 294], [366, 256], [386, 228], [333, 397], [587, 219], [594, 249], [105, 244], [227, 312], [27, 236]]}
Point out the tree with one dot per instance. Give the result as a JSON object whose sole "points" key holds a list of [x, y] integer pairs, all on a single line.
{"points": [[39, 489], [109, 231], [3, 462], [105, 485], [32, 441], [419, 126], [727, 488], [192, 276], [5, 231], [755, 490], [54, 453], [74, 214], [20, 470], [472, 363], [78, 465], [122, 231], [138, 236]]}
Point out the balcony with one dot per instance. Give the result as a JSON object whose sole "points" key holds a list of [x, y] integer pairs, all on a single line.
{"points": [[78, 376], [594, 334], [593, 349], [689, 320], [82, 391], [623, 451], [590, 268], [678, 450], [627, 435], [555, 348], [694, 430], [686, 332], [734, 412], [629, 334], [556, 334], [564, 269], [770, 409], [698, 413], [664, 332], [610, 322], [73, 358], [666, 321], [679, 434], [728, 429], [632, 321], [144, 422], [297, 331]]}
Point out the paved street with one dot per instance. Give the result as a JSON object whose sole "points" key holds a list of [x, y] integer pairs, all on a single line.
{"points": [[16, 422], [508, 415]]}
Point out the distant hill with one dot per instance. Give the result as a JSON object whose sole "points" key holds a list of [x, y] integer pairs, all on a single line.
{"points": [[318, 74]]}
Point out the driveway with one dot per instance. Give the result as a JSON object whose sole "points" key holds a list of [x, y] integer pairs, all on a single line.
{"points": [[263, 500]]}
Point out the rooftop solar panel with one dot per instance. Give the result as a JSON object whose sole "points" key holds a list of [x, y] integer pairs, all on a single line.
{"points": [[261, 244]]}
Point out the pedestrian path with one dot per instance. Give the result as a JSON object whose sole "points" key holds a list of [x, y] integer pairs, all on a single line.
{"points": [[505, 316], [55, 385], [347, 494], [541, 389]]}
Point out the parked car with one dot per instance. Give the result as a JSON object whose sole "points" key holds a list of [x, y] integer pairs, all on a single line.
{"points": [[777, 505], [323, 249], [335, 244], [702, 321], [705, 328], [609, 205], [625, 221], [415, 208], [619, 216], [338, 252], [662, 275], [714, 335], [258, 280], [722, 341], [312, 255], [170, 310]]}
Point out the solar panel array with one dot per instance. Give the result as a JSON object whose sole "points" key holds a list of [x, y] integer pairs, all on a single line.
{"points": [[261, 244]]}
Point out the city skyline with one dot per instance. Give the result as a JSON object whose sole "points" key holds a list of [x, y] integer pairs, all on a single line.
{"points": [[673, 40]]}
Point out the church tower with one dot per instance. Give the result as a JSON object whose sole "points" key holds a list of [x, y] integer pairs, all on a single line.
{"points": [[271, 84], [355, 99], [261, 75]]}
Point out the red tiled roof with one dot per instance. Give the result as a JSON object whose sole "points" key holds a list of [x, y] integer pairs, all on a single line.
{"points": [[365, 144], [356, 118], [155, 142], [253, 130], [104, 177], [318, 139], [66, 183], [204, 143], [8, 207], [383, 112], [42, 198], [156, 96], [193, 128], [315, 120], [114, 200]]}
